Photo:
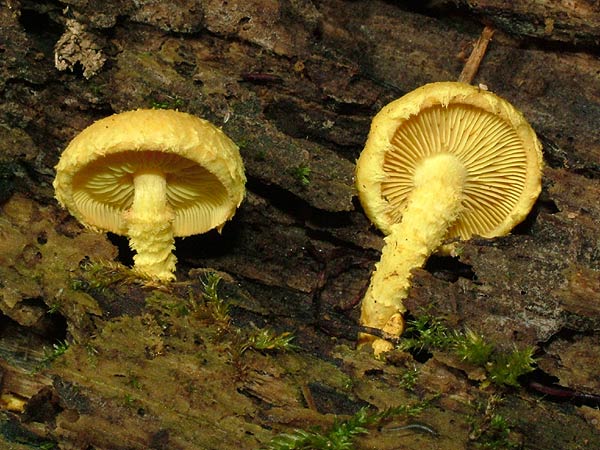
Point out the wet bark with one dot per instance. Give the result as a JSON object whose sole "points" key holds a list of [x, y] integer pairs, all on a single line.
{"points": [[294, 83]]}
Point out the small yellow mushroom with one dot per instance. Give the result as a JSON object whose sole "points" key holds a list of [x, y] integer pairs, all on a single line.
{"points": [[151, 175], [447, 161]]}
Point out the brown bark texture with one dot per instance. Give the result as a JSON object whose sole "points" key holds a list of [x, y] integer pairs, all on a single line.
{"points": [[93, 358]]}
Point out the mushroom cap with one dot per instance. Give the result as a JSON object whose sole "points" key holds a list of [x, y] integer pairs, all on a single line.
{"points": [[202, 166], [499, 150]]}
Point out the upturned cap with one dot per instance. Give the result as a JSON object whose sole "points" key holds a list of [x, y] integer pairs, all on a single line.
{"points": [[202, 166], [497, 146]]}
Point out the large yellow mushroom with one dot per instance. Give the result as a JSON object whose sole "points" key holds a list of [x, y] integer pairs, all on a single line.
{"points": [[151, 175], [447, 161]]}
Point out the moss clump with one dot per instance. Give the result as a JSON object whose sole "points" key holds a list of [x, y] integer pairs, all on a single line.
{"points": [[301, 174], [492, 430], [427, 333], [97, 276], [172, 102], [506, 368], [266, 339], [342, 434], [473, 348]]}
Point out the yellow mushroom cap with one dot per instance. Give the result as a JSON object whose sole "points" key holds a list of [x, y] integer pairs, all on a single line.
{"points": [[203, 170], [498, 148]]}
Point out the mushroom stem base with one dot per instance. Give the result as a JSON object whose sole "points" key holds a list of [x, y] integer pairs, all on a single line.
{"points": [[150, 227], [432, 208]]}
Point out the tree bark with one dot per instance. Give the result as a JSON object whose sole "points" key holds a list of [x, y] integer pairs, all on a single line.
{"points": [[294, 83]]}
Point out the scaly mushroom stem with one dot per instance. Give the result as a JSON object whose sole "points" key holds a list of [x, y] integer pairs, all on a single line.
{"points": [[150, 226], [432, 208]]}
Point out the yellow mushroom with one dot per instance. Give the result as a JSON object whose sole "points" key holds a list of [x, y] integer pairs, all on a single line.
{"points": [[447, 161], [151, 175]]}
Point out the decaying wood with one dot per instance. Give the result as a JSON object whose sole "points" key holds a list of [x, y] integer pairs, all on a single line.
{"points": [[575, 22], [295, 84]]}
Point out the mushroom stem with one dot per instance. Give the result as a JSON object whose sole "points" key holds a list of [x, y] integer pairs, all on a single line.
{"points": [[431, 209], [150, 228]]}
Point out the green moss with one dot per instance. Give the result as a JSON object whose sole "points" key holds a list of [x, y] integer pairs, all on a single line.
{"points": [[216, 306], [342, 434], [427, 333], [54, 307], [472, 348], [174, 102], [301, 174], [409, 379], [492, 430], [100, 275], [507, 367], [96, 89], [51, 354], [242, 143], [168, 305], [267, 340], [138, 359], [129, 400]]}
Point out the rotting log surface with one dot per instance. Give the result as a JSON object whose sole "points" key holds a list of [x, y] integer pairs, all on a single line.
{"points": [[295, 84]]}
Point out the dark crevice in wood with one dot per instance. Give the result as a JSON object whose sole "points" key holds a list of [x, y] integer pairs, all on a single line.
{"points": [[526, 226], [449, 268], [296, 207]]}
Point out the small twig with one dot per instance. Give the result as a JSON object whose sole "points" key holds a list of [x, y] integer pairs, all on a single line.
{"points": [[379, 333], [308, 397], [561, 393], [472, 65]]}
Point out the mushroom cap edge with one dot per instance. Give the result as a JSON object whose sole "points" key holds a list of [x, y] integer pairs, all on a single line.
{"points": [[143, 130], [369, 172]]}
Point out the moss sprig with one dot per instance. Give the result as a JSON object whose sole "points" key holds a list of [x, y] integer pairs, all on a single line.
{"points": [[506, 368], [301, 174], [425, 333], [343, 432], [265, 339], [51, 354], [472, 348], [99, 275], [218, 308], [492, 431], [259, 339]]}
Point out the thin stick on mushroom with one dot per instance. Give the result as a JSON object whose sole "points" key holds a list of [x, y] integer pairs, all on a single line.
{"points": [[474, 61]]}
